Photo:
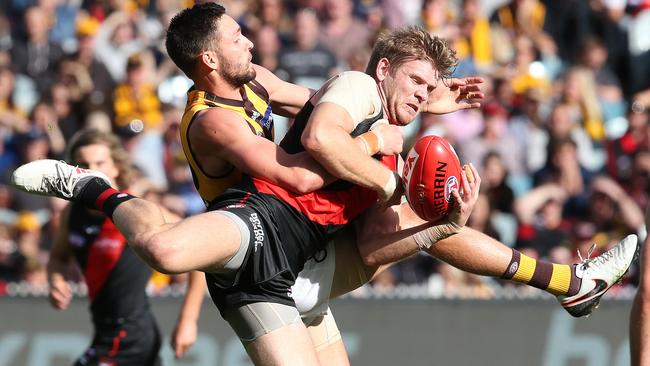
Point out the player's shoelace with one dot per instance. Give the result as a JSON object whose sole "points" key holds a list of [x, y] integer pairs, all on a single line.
{"points": [[62, 183], [587, 262]]}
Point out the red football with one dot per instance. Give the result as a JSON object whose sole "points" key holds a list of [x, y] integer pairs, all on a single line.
{"points": [[431, 170]]}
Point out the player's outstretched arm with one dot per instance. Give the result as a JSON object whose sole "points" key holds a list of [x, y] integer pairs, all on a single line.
{"points": [[60, 293], [186, 329]]}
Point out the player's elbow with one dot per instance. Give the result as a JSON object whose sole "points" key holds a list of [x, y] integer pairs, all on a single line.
{"points": [[313, 143], [306, 182]]}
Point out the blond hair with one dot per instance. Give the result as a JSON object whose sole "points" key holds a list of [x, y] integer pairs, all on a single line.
{"points": [[410, 44]]}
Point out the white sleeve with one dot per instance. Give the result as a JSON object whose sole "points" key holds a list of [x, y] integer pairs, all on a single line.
{"points": [[357, 93]]}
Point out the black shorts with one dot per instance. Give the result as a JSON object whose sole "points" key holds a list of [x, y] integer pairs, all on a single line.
{"points": [[124, 342], [280, 242]]}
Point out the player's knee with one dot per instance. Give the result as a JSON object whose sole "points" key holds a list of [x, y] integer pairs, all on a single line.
{"points": [[369, 258], [161, 254]]}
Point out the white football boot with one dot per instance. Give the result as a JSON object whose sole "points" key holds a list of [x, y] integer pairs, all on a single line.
{"points": [[598, 275], [53, 178]]}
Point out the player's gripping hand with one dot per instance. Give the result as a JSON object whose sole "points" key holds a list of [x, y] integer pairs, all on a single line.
{"points": [[392, 140], [183, 337], [60, 293], [464, 204]]}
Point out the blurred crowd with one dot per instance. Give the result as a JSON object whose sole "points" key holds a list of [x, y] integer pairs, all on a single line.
{"points": [[562, 139]]}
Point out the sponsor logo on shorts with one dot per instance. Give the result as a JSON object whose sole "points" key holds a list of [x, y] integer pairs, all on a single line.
{"points": [[258, 231], [235, 205]]}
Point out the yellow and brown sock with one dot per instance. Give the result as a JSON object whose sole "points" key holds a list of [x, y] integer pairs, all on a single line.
{"points": [[558, 279]]}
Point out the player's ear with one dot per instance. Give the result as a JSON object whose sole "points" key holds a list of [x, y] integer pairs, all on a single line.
{"points": [[209, 59], [383, 69]]}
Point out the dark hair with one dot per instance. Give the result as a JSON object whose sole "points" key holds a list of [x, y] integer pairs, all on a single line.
{"points": [[192, 31], [413, 43]]}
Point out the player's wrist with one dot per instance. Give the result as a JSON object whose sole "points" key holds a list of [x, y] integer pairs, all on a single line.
{"points": [[390, 186], [372, 141]]}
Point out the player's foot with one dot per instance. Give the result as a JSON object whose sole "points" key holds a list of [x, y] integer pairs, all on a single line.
{"points": [[53, 178], [598, 275]]}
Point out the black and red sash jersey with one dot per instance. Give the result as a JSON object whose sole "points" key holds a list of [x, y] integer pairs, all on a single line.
{"points": [[116, 277], [317, 215]]}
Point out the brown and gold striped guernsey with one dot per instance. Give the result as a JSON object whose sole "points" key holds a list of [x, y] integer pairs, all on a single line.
{"points": [[255, 108]]}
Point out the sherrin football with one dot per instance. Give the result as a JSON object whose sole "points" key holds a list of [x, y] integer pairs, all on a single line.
{"points": [[430, 172]]}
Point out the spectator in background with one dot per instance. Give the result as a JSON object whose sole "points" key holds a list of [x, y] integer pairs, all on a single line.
{"points": [[527, 127], [612, 211], [481, 218], [495, 137], [116, 40], [578, 92], [12, 118], [593, 56], [29, 236], [44, 118], [271, 13], [563, 168], [541, 223], [637, 138], [10, 259], [306, 61], [124, 326], [98, 97], [30, 146], [638, 184], [268, 49], [438, 18], [341, 32], [521, 17], [474, 40], [524, 73], [135, 103], [562, 126], [37, 57]]}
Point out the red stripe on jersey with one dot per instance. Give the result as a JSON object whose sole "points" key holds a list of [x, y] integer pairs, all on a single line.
{"points": [[103, 255], [328, 207]]}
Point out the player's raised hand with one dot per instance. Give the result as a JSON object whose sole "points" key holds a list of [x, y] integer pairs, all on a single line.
{"points": [[455, 94]]}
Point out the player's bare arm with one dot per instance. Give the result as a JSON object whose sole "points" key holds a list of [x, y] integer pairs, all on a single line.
{"points": [[222, 139], [327, 138], [60, 258]]}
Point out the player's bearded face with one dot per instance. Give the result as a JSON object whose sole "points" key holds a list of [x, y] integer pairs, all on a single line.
{"points": [[237, 73]]}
